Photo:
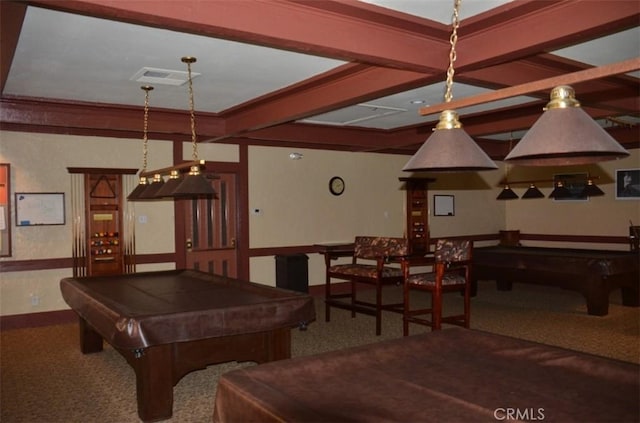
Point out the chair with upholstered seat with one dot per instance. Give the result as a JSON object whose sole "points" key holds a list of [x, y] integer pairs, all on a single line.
{"points": [[368, 266], [451, 273]]}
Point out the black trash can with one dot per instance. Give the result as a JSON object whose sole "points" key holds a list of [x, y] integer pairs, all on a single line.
{"points": [[292, 272]]}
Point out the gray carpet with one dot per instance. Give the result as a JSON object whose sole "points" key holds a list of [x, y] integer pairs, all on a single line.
{"points": [[45, 378]]}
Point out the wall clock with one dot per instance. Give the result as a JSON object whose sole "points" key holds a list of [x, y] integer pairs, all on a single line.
{"points": [[336, 185]]}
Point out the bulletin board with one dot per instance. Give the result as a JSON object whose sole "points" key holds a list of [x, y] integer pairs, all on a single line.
{"points": [[39, 208]]}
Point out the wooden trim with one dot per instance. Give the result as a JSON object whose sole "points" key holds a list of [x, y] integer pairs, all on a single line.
{"points": [[67, 263], [30, 320], [591, 239], [101, 170]]}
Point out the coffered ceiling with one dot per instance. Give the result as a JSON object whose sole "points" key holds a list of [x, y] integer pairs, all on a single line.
{"points": [[332, 74]]}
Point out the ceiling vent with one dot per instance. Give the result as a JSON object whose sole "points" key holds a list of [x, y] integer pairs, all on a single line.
{"points": [[157, 76], [355, 114]]}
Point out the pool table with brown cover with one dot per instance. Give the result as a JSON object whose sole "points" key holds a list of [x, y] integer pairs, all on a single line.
{"points": [[593, 273], [169, 323]]}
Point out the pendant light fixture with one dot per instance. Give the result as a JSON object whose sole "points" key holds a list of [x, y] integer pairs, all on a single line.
{"points": [[194, 184], [450, 148], [143, 182], [507, 194], [560, 191], [565, 135], [532, 192], [591, 190]]}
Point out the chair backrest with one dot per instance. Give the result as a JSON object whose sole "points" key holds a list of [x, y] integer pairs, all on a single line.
{"points": [[452, 250], [372, 247]]}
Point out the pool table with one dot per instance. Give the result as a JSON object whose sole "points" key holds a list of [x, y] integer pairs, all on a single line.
{"points": [[169, 323], [593, 273], [450, 375]]}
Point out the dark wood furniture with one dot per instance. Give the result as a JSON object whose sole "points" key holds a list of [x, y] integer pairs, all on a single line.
{"points": [[451, 272], [593, 273], [369, 265], [100, 245], [417, 219], [169, 323], [453, 375]]}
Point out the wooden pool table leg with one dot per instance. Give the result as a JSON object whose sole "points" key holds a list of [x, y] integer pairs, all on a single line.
{"points": [[154, 382], [630, 297], [90, 340]]}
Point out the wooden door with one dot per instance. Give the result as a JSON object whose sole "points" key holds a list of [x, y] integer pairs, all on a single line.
{"points": [[211, 229]]}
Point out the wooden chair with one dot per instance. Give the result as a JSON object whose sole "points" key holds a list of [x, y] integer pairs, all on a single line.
{"points": [[369, 265], [451, 272]]}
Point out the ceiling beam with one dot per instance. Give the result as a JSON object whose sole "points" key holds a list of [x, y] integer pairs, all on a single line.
{"points": [[263, 23], [551, 26], [11, 19]]}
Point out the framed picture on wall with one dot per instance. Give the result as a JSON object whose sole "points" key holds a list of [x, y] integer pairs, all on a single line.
{"points": [[443, 205], [628, 184]]}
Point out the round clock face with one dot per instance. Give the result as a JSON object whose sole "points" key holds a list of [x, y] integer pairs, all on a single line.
{"points": [[336, 185]]}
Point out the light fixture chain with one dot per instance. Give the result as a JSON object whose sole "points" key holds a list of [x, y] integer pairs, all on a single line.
{"points": [[193, 116], [453, 40], [145, 139]]}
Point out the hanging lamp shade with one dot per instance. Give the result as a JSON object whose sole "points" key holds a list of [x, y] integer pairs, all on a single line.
{"points": [[152, 188], [532, 192], [138, 190], [560, 191], [507, 194], [194, 184], [449, 149], [565, 135], [591, 190], [170, 185]]}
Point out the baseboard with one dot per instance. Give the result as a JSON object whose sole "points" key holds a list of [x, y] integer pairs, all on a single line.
{"points": [[31, 320]]}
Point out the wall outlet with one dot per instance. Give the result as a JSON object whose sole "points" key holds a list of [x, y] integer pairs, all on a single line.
{"points": [[35, 299]]}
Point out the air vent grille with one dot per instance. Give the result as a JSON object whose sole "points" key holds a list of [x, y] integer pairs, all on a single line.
{"points": [[157, 76]]}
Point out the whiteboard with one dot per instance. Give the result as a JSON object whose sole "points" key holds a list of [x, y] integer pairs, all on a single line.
{"points": [[36, 208]]}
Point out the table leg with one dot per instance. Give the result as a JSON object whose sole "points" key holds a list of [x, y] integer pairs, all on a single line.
{"points": [[90, 340], [596, 293], [154, 382], [630, 297]]}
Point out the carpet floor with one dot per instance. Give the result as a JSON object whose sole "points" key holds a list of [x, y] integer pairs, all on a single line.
{"points": [[45, 378]]}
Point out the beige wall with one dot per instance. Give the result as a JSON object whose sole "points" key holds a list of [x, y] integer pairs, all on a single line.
{"points": [[295, 203]]}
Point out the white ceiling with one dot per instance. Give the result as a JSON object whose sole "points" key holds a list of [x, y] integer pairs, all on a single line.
{"points": [[80, 58]]}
